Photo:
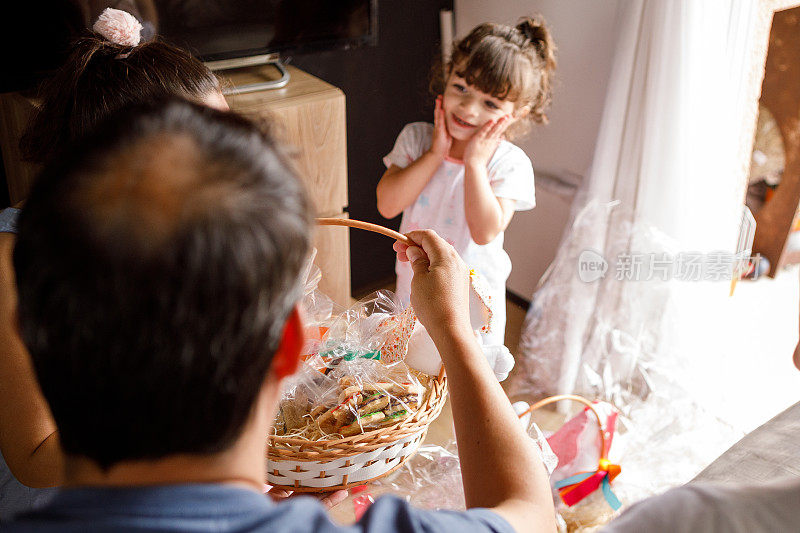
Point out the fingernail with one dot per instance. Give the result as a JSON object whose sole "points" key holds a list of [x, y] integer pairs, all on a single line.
{"points": [[413, 253]]}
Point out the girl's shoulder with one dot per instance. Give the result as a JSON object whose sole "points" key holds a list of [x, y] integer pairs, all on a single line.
{"points": [[507, 152], [418, 130], [419, 126], [416, 137]]}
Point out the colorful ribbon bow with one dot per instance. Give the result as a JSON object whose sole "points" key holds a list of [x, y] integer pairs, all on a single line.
{"points": [[575, 488]]}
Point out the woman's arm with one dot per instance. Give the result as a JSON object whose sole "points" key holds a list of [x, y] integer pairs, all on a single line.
{"points": [[500, 467], [28, 437], [400, 187]]}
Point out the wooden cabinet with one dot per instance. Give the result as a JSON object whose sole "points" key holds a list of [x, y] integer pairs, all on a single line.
{"points": [[309, 115], [15, 111]]}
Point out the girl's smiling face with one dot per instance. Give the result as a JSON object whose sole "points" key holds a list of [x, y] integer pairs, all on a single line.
{"points": [[467, 108]]}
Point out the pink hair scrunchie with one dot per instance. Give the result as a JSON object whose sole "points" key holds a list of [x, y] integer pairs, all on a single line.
{"points": [[119, 27]]}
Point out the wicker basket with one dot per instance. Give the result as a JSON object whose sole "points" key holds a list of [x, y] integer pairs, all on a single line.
{"points": [[323, 465], [317, 466]]}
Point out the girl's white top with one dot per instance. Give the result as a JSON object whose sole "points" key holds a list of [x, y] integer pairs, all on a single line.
{"points": [[440, 206]]}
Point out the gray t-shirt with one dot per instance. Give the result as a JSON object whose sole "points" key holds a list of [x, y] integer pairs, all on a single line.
{"points": [[715, 508], [223, 508], [16, 498], [8, 220]]}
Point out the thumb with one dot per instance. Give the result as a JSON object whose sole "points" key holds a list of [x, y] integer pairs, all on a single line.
{"points": [[418, 259]]}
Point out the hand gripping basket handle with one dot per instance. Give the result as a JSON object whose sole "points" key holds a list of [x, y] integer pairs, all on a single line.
{"points": [[366, 226], [377, 229]]}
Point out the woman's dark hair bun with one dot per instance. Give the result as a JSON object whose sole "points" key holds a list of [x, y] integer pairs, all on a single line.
{"points": [[98, 78], [535, 30]]}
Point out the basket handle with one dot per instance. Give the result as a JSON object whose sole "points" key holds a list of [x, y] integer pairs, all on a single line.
{"points": [[575, 398], [365, 226]]}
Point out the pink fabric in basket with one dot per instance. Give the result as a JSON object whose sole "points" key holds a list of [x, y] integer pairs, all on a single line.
{"points": [[577, 442]]}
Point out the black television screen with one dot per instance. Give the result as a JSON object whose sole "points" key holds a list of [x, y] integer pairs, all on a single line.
{"points": [[231, 29], [212, 29]]}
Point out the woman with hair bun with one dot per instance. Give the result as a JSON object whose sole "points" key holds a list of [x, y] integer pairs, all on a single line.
{"points": [[107, 69]]}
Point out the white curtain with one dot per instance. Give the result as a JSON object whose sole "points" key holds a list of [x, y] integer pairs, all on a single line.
{"points": [[664, 180], [667, 152]]}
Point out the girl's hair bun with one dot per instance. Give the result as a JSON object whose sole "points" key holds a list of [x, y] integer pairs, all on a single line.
{"points": [[535, 30]]}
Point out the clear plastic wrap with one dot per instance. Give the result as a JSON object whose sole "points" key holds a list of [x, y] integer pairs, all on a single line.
{"points": [[317, 307], [641, 340], [598, 336], [368, 330], [353, 397], [432, 478], [353, 378], [546, 454]]}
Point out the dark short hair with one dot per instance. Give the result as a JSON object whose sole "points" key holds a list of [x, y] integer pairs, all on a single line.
{"points": [[100, 77], [157, 263]]}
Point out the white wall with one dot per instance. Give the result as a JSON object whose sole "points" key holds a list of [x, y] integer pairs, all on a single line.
{"points": [[585, 34]]}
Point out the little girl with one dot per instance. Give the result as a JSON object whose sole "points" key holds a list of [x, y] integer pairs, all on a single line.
{"points": [[460, 176]]}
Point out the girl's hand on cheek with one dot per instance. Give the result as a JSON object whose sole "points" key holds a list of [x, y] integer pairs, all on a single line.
{"points": [[441, 138], [482, 145]]}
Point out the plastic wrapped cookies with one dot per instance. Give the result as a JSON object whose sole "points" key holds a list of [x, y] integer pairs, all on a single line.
{"points": [[358, 403]]}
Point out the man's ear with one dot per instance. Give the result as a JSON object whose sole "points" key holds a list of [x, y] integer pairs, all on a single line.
{"points": [[287, 358]]}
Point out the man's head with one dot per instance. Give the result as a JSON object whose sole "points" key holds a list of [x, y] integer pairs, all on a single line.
{"points": [[156, 265]]}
